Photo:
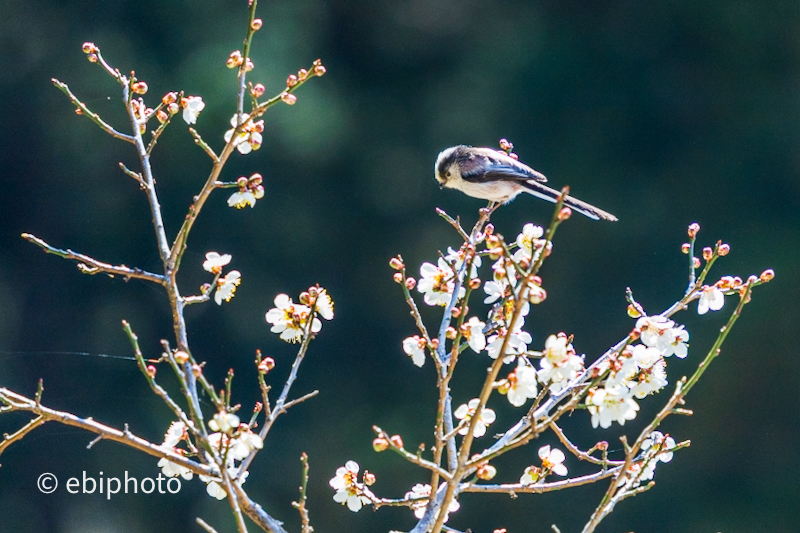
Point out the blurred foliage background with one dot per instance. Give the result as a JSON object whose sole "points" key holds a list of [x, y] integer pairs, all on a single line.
{"points": [[663, 113]]}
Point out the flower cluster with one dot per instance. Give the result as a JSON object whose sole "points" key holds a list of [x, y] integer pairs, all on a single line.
{"points": [[248, 135], [657, 448], [348, 489], [291, 319], [552, 461], [420, 494], [466, 411], [232, 441], [226, 285], [250, 190]]}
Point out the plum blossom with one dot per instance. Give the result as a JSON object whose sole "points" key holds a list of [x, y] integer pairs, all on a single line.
{"points": [[324, 304], [521, 384], [530, 242], [649, 379], [214, 262], [611, 404], [438, 283], [241, 199], [517, 344], [473, 332], [655, 329], [712, 298], [414, 347], [552, 460], [171, 469], [249, 138], [422, 494], [192, 106], [466, 411], [226, 286], [224, 422], [675, 343], [348, 490], [290, 319], [531, 475], [244, 443], [176, 433], [559, 363]]}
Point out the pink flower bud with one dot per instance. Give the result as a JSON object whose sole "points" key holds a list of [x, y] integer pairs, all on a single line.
{"points": [[256, 24], [291, 81], [724, 249], [686, 247], [288, 98], [319, 70], [151, 371], [396, 440], [139, 87], [379, 444], [181, 357], [767, 275], [693, 229], [257, 90]]}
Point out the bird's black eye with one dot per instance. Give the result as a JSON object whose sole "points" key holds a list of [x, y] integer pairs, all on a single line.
{"points": [[447, 174]]}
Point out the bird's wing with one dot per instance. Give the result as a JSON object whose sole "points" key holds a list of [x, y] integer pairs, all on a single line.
{"points": [[483, 165]]}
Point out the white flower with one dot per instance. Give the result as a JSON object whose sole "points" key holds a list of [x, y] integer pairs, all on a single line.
{"points": [[290, 319], [522, 384], [215, 490], [495, 291], [176, 433], [552, 460], [473, 332], [530, 242], [712, 298], [466, 411], [559, 363], [244, 444], [517, 344], [414, 347], [531, 475], [226, 286], [224, 422], [347, 488], [438, 283], [675, 343], [422, 493], [241, 199], [192, 105], [171, 469], [654, 329], [611, 404], [214, 262], [456, 258], [324, 304], [249, 138], [649, 379], [656, 437]]}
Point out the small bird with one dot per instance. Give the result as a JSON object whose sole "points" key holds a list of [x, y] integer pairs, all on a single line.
{"points": [[492, 175]]}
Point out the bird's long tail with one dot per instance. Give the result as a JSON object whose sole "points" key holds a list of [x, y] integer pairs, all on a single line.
{"points": [[551, 195]]}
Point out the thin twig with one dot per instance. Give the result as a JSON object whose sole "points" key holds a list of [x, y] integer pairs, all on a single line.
{"points": [[89, 265], [94, 117]]}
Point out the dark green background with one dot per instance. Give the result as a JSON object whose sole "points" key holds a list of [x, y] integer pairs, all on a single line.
{"points": [[663, 113]]}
